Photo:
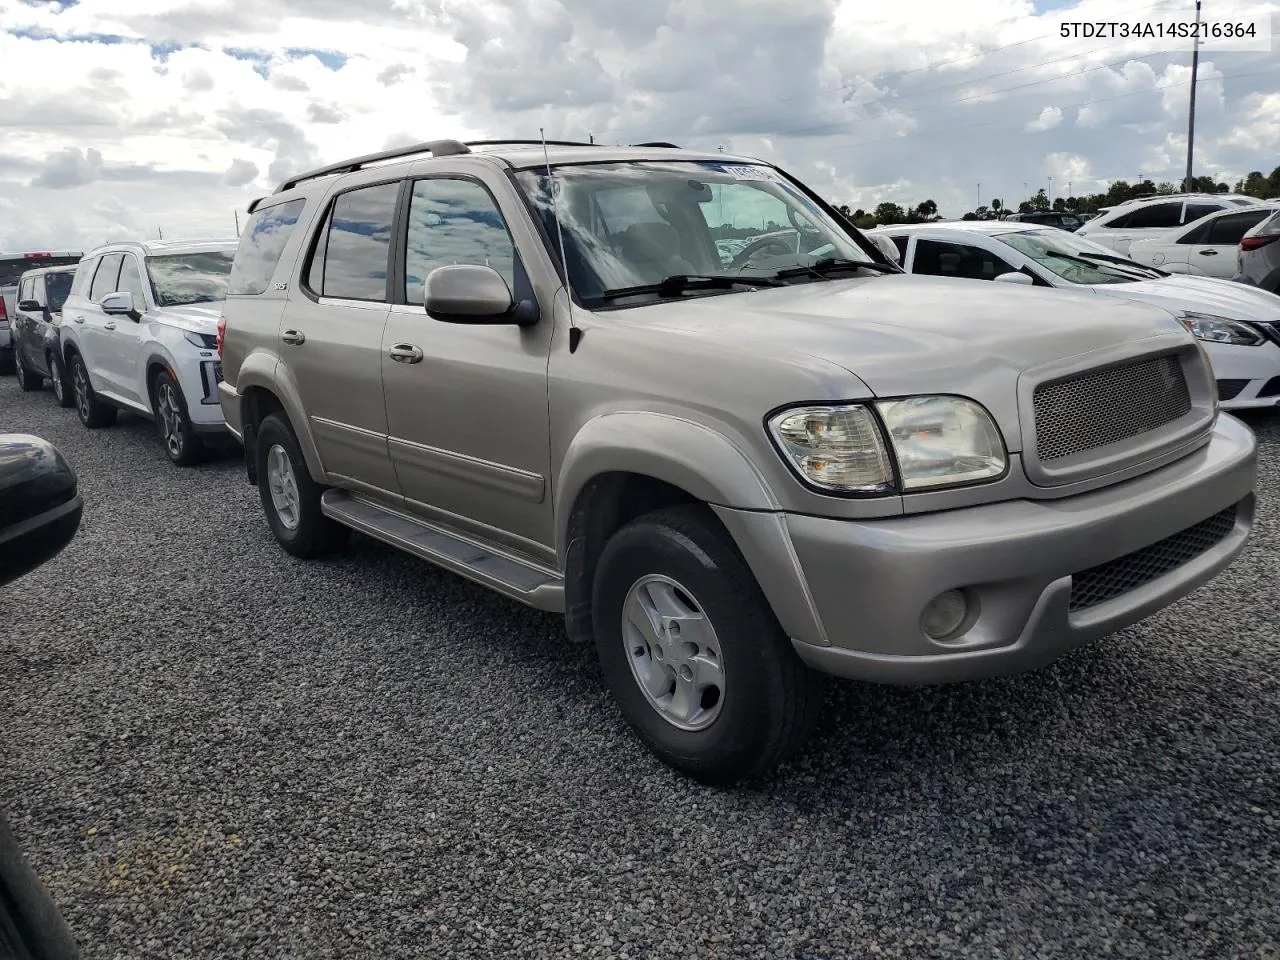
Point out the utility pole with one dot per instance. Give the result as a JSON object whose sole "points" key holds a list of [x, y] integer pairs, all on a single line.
{"points": [[237, 223], [979, 203], [160, 231], [1051, 193], [1191, 111]]}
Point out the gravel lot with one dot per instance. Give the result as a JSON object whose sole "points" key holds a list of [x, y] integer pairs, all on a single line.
{"points": [[210, 749]]}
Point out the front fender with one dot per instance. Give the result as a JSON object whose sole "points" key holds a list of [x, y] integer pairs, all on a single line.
{"points": [[263, 371]]}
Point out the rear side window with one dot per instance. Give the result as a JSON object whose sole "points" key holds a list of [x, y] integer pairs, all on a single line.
{"points": [[1197, 210], [351, 258], [1155, 215], [104, 280], [261, 246]]}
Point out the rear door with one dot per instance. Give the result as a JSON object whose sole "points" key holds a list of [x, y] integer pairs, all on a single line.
{"points": [[1212, 252], [24, 323], [331, 337]]}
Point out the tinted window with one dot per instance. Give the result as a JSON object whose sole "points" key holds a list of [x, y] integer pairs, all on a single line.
{"points": [[1154, 215], [57, 287], [939, 259], [454, 221], [901, 244], [1197, 234], [358, 238], [1197, 210], [104, 281], [1231, 229], [261, 246], [131, 282]]}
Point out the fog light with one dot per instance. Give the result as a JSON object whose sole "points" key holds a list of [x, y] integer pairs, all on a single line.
{"points": [[944, 614]]}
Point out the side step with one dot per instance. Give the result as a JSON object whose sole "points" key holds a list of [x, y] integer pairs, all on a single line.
{"points": [[518, 579]]}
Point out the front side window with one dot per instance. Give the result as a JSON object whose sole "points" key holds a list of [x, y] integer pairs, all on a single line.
{"points": [[454, 221], [104, 280], [1074, 259], [1230, 230], [178, 279], [25, 289], [631, 224], [350, 261], [938, 258], [57, 287], [131, 282], [261, 246]]}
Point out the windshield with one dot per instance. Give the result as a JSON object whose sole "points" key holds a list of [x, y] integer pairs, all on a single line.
{"points": [[632, 224], [1060, 253], [182, 278], [56, 288]]}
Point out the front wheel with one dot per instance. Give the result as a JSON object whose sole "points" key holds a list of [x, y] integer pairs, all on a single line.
{"points": [[62, 391], [180, 440], [693, 653], [93, 412], [290, 498]]}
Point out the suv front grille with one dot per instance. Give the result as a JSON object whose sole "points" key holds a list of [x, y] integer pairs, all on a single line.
{"points": [[1109, 580], [1104, 406]]}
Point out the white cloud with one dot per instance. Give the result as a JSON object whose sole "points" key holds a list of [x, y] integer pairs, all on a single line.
{"points": [[1049, 118]]}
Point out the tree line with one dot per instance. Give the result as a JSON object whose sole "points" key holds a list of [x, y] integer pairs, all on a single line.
{"points": [[1256, 184]]}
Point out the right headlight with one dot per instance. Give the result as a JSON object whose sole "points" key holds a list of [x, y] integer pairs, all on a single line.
{"points": [[936, 441]]}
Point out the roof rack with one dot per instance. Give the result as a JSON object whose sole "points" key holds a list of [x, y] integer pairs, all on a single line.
{"points": [[437, 148], [529, 143], [656, 143]]}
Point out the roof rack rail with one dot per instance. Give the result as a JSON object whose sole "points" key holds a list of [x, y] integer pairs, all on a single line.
{"points": [[528, 143], [657, 143], [437, 148]]}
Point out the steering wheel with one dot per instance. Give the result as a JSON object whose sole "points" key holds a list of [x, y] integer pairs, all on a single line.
{"points": [[782, 247]]}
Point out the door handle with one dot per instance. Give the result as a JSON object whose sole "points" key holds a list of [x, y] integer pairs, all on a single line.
{"points": [[78, 319], [294, 337], [109, 325], [405, 353], [1208, 253]]}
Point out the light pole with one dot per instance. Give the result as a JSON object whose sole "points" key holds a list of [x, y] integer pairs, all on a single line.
{"points": [[1191, 111], [1051, 193]]}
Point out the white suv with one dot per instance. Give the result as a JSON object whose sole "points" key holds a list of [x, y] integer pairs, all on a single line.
{"points": [[139, 333], [1150, 217]]}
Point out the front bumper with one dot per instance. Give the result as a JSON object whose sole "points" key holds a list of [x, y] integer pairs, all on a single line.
{"points": [[1248, 377], [1015, 561]]}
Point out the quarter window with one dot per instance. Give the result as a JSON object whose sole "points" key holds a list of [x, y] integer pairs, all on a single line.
{"points": [[353, 252], [454, 221], [261, 247], [939, 259], [104, 281]]}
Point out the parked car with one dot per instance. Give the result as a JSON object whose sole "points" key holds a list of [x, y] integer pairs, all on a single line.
{"points": [[36, 344], [40, 510], [1258, 256], [1206, 248], [139, 333], [1149, 218], [1238, 327], [12, 267], [1048, 218], [732, 480]]}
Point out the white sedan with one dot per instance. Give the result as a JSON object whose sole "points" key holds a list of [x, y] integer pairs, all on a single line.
{"points": [[1238, 325], [1206, 248]]}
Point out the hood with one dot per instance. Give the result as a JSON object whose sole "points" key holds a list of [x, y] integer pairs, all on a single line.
{"points": [[196, 317], [903, 334], [1178, 292]]}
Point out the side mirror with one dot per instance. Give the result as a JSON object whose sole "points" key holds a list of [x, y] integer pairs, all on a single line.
{"points": [[470, 293], [1015, 276], [887, 247], [31, 306], [40, 504], [120, 304]]}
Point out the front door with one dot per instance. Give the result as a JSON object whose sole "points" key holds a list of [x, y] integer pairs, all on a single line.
{"points": [[331, 339], [122, 362], [468, 422]]}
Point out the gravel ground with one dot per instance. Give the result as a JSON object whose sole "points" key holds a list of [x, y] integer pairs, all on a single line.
{"points": [[213, 750]]}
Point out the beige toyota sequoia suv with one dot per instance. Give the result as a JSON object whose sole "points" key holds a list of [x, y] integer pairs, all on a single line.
{"points": [[680, 399]]}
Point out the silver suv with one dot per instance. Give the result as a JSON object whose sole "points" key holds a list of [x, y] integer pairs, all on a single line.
{"points": [[731, 477]]}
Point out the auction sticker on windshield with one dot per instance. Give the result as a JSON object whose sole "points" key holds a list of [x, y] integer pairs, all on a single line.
{"points": [[748, 171]]}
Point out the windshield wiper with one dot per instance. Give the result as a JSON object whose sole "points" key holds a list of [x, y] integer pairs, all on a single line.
{"points": [[830, 264], [1124, 262], [678, 283], [1093, 264]]}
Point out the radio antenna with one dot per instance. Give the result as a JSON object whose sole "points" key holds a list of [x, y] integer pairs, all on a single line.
{"points": [[575, 334]]}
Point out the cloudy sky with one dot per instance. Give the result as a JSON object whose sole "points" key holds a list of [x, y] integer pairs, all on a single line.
{"points": [[124, 117]]}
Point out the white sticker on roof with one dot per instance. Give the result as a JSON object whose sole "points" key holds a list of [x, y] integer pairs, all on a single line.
{"points": [[750, 171]]}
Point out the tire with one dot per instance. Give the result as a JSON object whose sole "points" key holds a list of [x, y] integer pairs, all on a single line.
{"points": [[93, 412], [62, 391], [28, 380], [304, 531], [766, 702], [178, 437], [6, 361]]}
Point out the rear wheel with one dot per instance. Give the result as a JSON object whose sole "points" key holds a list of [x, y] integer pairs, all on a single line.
{"points": [[180, 441], [93, 412], [693, 653], [290, 498], [28, 379]]}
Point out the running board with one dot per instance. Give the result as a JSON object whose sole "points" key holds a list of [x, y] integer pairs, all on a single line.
{"points": [[518, 579]]}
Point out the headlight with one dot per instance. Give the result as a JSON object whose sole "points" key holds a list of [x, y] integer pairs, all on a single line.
{"points": [[205, 341], [1213, 329], [937, 441]]}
